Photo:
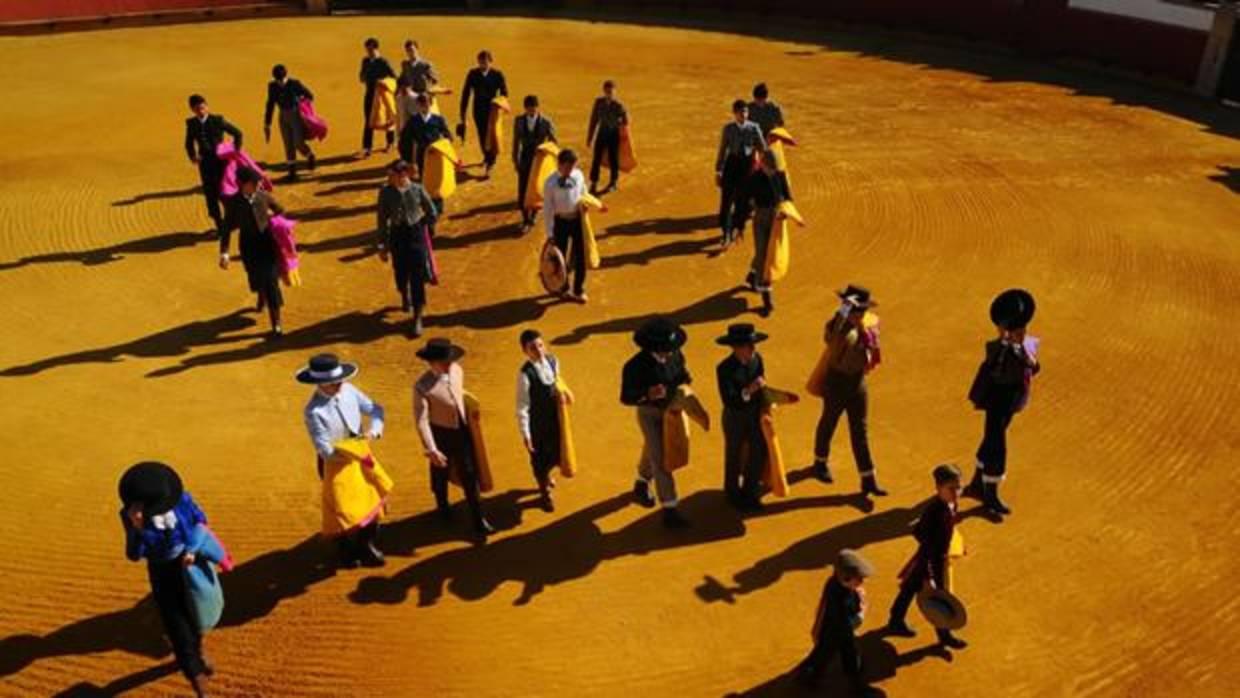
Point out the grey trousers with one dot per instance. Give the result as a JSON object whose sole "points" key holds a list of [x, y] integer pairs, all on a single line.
{"points": [[650, 467], [763, 223], [845, 394], [293, 132]]}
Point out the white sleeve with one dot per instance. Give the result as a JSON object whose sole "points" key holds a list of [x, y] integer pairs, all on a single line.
{"points": [[523, 404]]}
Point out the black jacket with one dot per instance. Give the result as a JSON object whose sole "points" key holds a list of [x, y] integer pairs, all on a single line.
{"points": [[643, 372], [734, 376], [206, 135]]}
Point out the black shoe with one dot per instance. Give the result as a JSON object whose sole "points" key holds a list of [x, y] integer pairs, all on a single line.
{"points": [[348, 559], [946, 639], [899, 629], [444, 512], [546, 503], [641, 492], [611, 188], [751, 502], [768, 306], [371, 556], [277, 332], [483, 528], [973, 490], [416, 329], [672, 518], [990, 499], [823, 472], [310, 161], [869, 485]]}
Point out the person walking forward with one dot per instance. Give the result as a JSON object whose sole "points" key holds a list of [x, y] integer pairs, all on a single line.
{"points": [[285, 92], [606, 119], [204, 132], [405, 212]]}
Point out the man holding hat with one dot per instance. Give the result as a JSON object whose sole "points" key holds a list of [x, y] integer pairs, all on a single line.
{"points": [[250, 212], [739, 144], [530, 131], [562, 202], [405, 211], [851, 336], [162, 524], [841, 610], [353, 496], [648, 383], [1001, 389], [443, 426], [928, 567], [741, 377]]}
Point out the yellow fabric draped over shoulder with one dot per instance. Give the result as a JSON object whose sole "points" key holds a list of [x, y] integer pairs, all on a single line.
{"points": [[777, 139], [439, 177], [494, 137], [589, 201], [683, 408], [568, 448], [354, 494], [473, 412], [383, 106], [628, 156], [776, 472], [543, 167], [779, 249], [816, 385], [955, 549]]}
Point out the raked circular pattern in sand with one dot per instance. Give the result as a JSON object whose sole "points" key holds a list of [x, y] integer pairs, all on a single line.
{"points": [[932, 175]]}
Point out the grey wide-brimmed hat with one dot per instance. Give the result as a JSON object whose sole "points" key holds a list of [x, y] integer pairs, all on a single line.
{"points": [[326, 368], [942, 609], [440, 349]]}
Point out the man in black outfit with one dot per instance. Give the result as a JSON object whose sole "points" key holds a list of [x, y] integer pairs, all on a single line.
{"points": [[286, 92], [531, 130], [420, 131], [739, 143], [250, 212], [741, 378], [840, 611], [374, 68], [484, 83], [203, 132], [608, 117]]}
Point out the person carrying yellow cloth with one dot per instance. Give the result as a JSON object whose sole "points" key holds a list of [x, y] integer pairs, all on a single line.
{"points": [[375, 70], [741, 378], [542, 402], [776, 473], [649, 383], [355, 486], [442, 416], [489, 90], [767, 190], [566, 205], [532, 161]]}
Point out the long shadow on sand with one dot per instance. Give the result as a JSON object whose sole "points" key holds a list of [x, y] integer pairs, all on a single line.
{"points": [[720, 306], [496, 316], [155, 244], [1228, 176], [678, 248], [661, 226], [158, 195]]}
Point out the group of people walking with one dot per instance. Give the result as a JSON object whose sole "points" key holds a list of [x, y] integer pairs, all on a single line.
{"points": [[165, 526]]}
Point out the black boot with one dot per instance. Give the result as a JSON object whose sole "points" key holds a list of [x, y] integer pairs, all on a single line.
{"points": [[869, 485], [946, 639], [990, 499], [443, 507], [641, 492], [751, 280], [823, 472], [348, 552], [767, 305], [974, 488], [310, 161], [416, 330], [369, 553], [292, 172], [482, 528]]}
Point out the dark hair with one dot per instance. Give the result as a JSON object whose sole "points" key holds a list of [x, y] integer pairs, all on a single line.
{"points": [[609, 84], [739, 105], [278, 71], [423, 98], [566, 156], [195, 100], [946, 473], [410, 43], [372, 42], [529, 335], [398, 165], [531, 100], [485, 55], [246, 175], [760, 91]]}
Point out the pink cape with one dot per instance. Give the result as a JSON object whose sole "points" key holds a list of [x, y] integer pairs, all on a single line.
{"points": [[316, 127], [233, 157], [286, 246]]}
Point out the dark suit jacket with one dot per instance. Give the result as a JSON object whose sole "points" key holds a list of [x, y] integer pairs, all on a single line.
{"points": [[525, 140], [418, 134], [206, 135], [643, 372], [934, 536], [251, 218]]}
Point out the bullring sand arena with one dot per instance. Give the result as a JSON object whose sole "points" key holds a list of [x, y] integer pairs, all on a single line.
{"points": [[935, 175]]}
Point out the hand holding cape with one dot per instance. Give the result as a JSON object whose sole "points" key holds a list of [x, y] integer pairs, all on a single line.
{"points": [[816, 384], [355, 488], [491, 140], [684, 407]]}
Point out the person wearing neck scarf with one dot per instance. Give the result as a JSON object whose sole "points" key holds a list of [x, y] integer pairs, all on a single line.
{"points": [[286, 92], [562, 213], [204, 132], [250, 211]]}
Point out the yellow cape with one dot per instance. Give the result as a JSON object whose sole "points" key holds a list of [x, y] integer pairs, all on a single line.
{"points": [[568, 449], [473, 413], [543, 167], [439, 177], [779, 249], [684, 406], [628, 157], [954, 549], [817, 378], [291, 277], [776, 474], [776, 139], [353, 494], [383, 107], [588, 201], [495, 126]]}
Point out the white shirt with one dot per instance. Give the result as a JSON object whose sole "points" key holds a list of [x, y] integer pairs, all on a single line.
{"points": [[331, 419], [546, 371], [564, 201]]}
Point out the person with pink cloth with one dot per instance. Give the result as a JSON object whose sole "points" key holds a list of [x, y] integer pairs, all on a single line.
{"points": [[288, 93], [251, 212]]}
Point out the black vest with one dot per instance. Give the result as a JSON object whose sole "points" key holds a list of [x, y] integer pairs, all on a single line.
{"points": [[544, 405]]}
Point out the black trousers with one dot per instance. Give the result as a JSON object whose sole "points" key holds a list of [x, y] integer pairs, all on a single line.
{"points": [[481, 117], [845, 393], [733, 205], [825, 649], [457, 445], [909, 587], [568, 230], [368, 134], [745, 453], [171, 598], [992, 453], [606, 141], [524, 165], [410, 265], [546, 454], [210, 170]]}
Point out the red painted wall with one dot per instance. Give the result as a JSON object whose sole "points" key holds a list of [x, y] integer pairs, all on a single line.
{"points": [[32, 10]]}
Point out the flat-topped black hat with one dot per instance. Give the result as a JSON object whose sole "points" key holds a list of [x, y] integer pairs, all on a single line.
{"points": [[660, 334], [858, 296], [154, 486], [326, 368], [1012, 309], [740, 334], [440, 349]]}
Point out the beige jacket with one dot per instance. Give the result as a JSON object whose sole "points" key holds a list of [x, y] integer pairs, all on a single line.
{"points": [[438, 400]]}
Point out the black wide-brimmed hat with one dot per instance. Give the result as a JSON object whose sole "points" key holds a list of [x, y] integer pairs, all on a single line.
{"points": [[1012, 309], [740, 334], [858, 296], [942, 609], [154, 486], [326, 368], [660, 334], [440, 349]]}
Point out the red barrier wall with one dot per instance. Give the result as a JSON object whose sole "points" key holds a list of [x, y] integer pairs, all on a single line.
{"points": [[36, 10]]}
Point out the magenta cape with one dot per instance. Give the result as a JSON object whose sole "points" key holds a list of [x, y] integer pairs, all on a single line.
{"points": [[232, 159], [316, 127], [286, 246]]}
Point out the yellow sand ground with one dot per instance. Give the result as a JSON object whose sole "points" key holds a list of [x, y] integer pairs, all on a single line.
{"points": [[935, 177]]}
